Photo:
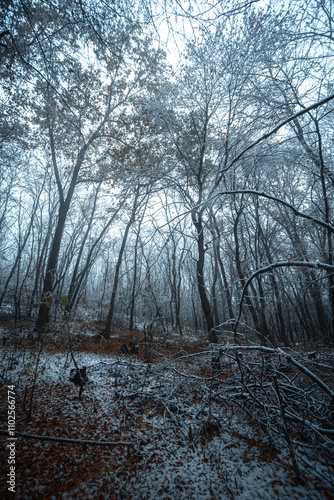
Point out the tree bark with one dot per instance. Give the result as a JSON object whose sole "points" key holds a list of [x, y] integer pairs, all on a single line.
{"points": [[64, 205], [118, 266], [256, 321], [206, 307]]}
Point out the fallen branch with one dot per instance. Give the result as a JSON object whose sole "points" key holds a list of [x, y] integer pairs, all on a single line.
{"points": [[67, 440], [307, 372]]}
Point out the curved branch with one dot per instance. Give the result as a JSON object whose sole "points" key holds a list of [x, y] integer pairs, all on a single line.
{"points": [[277, 128], [318, 265], [279, 200]]}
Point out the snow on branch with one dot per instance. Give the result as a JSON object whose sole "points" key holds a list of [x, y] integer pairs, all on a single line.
{"points": [[307, 372], [279, 200], [319, 265], [278, 127]]}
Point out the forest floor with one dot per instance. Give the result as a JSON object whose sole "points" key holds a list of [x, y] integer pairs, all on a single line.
{"points": [[171, 433]]}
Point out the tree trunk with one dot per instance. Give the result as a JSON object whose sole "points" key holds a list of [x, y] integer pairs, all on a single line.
{"points": [[71, 291], [206, 307], [118, 266], [216, 243], [329, 234], [263, 334], [44, 308], [64, 205]]}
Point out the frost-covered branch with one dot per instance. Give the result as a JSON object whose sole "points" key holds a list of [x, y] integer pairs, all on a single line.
{"points": [[316, 265], [278, 127], [282, 202]]}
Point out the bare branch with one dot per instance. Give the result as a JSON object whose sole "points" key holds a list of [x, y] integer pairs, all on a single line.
{"points": [[279, 200], [66, 440], [319, 265], [278, 127]]}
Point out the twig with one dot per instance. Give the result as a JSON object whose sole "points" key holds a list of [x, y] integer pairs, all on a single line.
{"points": [[285, 428]]}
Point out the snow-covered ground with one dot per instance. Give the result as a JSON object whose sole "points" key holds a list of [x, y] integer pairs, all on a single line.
{"points": [[184, 443]]}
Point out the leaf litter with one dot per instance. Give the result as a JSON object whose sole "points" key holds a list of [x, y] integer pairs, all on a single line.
{"points": [[183, 440]]}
